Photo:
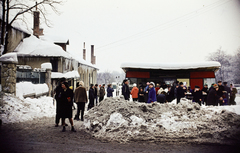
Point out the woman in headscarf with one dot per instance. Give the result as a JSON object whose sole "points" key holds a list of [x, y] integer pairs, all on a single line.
{"points": [[66, 100]]}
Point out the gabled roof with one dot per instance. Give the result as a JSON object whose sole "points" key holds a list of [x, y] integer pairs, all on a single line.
{"points": [[32, 46]]}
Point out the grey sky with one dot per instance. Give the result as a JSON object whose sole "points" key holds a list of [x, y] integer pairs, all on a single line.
{"points": [[148, 30]]}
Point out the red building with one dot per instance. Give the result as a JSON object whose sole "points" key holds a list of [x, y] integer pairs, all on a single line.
{"points": [[190, 74]]}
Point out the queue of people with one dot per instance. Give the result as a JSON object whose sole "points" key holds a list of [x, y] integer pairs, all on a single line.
{"points": [[217, 94]]}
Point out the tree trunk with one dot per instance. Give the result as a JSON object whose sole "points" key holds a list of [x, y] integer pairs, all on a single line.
{"points": [[3, 22], [7, 29]]}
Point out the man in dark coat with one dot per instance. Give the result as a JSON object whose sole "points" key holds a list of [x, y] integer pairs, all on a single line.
{"points": [[91, 97], [213, 97], [197, 95], [102, 92], [66, 101], [161, 98], [58, 90], [220, 92], [125, 90], [205, 93], [226, 93], [180, 92], [80, 97]]}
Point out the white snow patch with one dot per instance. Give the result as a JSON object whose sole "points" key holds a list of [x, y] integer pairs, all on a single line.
{"points": [[17, 110], [24, 89], [46, 66]]}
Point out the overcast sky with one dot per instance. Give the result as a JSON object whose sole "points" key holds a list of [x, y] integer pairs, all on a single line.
{"points": [[148, 30]]}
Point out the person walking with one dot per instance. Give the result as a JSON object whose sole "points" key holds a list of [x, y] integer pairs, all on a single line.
{"points": [[80, 97], [102, 92], [91, 97], [58, 90], [110, 90], [134, 92], [66, 99], [125, 90], [213, 98], [152, 93], [141, 95]]}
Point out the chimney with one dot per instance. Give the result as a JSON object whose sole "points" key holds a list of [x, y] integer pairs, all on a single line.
{"points": [[84, 52], [93, 58], [36, 30], [36, 23]]}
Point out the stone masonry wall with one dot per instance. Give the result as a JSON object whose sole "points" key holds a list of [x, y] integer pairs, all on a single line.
{"points": [[8, 78]]}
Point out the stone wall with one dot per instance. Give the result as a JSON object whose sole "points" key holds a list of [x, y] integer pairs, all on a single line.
{"points": [[8, 78]]}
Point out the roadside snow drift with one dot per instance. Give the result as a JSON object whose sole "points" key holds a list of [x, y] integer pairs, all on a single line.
{"points": [[118, 120], [14, 110]]}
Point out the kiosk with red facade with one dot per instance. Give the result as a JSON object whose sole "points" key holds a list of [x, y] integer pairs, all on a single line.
{"points": [[191, 74]]}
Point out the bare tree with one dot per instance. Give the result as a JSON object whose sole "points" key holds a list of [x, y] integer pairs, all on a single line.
{"points": [[236, 66], [224, 59], [17, 9], [108, 77]]}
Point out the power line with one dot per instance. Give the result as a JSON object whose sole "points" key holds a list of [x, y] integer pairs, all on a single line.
{"points": [[169, 24]]}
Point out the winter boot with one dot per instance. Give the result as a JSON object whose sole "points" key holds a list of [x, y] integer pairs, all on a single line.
{"points": [[73, 130], [64, 129]]}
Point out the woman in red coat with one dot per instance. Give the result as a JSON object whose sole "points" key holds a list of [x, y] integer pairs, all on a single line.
{"points": [[134, 92]]}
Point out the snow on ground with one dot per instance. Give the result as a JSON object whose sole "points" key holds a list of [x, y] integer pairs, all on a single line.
{"points": [[16, 110], [115, 119]]}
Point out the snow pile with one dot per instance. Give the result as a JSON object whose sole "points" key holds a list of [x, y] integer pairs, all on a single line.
{"points": [[68, 75], [118, 120], [14, 109], [27, 89]]}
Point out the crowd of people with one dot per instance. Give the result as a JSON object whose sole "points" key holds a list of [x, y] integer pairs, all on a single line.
{"points": [[217, 94], [65, 97]]}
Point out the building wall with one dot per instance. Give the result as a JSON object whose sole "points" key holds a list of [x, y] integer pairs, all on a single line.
{"points": [[88, 75], [15, 37]]}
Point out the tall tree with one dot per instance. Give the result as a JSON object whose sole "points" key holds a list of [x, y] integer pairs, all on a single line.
{"points": [[236, 67], [224, 59], [17, 9]]}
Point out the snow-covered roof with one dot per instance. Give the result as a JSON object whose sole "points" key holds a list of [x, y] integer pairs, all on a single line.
{"points": [[68, 75], [55, 39], [9, 57], [82, 61], [32, 46], [173, 66]]}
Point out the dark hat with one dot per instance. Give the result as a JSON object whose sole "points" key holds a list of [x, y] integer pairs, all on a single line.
{"points": [[224, 83], [180, 83], [197, 87], [96, 85], [219, 81]]}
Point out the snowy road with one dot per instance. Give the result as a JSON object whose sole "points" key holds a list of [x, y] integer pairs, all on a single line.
{"points": [[40, 135]]}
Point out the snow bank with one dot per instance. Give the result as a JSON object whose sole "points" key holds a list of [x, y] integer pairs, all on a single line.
{"points": [[16, 110], [118, 120], [25, 89]]}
